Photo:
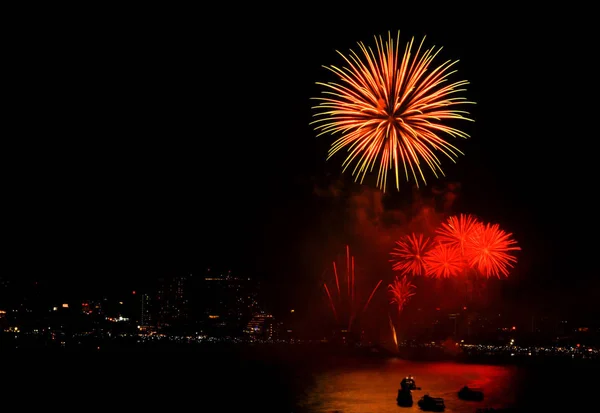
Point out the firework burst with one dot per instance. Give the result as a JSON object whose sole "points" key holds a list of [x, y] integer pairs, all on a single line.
{"points": [[390, 109], [400, 291], [490, 249], [408, 255], [444, 261], [462, 243], [457, 230]]}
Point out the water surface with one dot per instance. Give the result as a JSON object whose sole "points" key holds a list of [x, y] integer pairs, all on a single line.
{"points": [[284, 379]]}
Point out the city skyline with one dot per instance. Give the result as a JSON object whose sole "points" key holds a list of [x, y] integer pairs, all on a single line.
{"points": [[164, 296], [211, 298]]}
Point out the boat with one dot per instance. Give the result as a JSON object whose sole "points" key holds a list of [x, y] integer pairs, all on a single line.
{"points": [[409, 383], [471, 394], [431, 404], [404, 398]]}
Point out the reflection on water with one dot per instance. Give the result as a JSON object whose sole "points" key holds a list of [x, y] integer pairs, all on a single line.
{"points": [[286, 379], [369, 389], [372, 387]]}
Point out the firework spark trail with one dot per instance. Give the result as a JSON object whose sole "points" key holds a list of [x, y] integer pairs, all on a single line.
{"points": [[394, 335], [331, 302], [354, 314], [348, 267], [352, 281], [408, 255], [391, 111], [348, 304], [337, 280], [371, 296]]}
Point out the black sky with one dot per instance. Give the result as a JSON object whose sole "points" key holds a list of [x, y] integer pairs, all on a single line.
{"points": [[154, 141]]}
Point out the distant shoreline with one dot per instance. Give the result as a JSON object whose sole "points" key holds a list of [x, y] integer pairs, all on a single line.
{"points": [[435, 355], [273, 349]]}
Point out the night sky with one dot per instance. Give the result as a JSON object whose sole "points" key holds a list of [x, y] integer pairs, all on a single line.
{"points": [[158, 142]]}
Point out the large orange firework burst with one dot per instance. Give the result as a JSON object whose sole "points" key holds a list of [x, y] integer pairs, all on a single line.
{"points": [[400, 291], [408, 255], [390, 108], [489, 250], [444, 261]]}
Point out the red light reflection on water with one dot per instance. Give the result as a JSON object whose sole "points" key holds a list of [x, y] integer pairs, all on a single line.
{"points": [[374, 388]]}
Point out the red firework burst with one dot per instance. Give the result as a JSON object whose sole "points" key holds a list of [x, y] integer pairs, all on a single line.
{"points": [[409, 253], [401, 290], [489, 250], [444, 261], [457, 230]]}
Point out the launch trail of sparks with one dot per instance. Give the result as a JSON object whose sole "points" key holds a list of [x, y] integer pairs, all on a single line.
{"points": [[391, 110], [346, 303]]}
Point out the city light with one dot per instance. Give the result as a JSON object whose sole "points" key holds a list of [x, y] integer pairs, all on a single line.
{"points": [[225, 308]]}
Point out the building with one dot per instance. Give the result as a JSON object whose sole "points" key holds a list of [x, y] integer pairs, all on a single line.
{"points": [[146, 318], [261, 326], [92, 307], [226, 302], [214, 303], [173, 301]]}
